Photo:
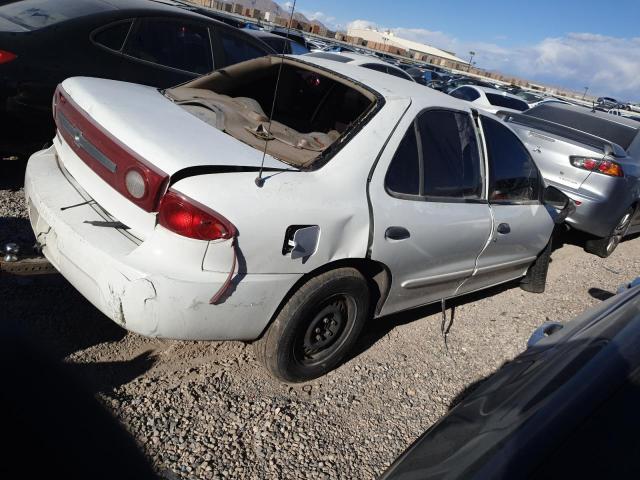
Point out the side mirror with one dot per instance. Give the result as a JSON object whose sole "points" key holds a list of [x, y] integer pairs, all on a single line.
{"points": [[555, 198]]}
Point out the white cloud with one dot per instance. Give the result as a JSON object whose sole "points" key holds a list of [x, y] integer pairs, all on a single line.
{"points": [[435, 38], [361, 24], [326, 20], [608, 65]]}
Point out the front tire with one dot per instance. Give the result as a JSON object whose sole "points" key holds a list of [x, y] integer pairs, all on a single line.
{"points": [[317, 326], [603, 247]]}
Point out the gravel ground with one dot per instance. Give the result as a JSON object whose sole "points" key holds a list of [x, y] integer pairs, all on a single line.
{"points": [[209, 410]]}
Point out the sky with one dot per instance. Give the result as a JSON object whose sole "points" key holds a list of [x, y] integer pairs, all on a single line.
{"points": [[566, 43]]}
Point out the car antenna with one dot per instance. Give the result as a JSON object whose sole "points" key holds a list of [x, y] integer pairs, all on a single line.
{"points": [[259, 179]]}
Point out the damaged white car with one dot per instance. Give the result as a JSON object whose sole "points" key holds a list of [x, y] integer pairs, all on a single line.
{"points": [[376, 196]]}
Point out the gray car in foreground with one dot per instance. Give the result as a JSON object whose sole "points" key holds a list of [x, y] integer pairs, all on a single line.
{"points": [[594, 158]]}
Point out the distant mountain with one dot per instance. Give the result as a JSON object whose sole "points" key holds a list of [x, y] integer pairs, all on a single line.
{"points": [[271, 6]]}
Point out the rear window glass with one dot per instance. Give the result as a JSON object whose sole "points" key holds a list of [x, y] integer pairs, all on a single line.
{"points": [[506, 102], [587, 122], [36, 14]]}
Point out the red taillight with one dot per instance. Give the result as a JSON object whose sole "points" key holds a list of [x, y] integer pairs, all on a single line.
{"points": [[186, 217], [6, 57], [606, 167], [114, 162]]}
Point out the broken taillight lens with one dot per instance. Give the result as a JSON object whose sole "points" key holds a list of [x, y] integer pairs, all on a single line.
{"points": [[6, 57], [606, 167], [186, 217]]}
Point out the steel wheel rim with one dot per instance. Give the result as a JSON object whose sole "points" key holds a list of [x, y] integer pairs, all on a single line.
{"points": [[327, 331]]}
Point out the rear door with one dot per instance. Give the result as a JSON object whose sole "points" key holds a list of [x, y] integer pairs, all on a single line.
{"points": [[164, 52], [430, 216], [522, 225]]}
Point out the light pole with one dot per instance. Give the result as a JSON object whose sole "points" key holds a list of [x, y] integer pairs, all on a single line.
{"points": [[586, 89], [472, 53]]}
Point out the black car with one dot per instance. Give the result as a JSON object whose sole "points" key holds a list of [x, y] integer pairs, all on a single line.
{"points": [[279, 44], [141, 41], [565, 408]]}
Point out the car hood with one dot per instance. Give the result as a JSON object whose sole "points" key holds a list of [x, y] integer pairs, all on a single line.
{"points": [[158, 130]]}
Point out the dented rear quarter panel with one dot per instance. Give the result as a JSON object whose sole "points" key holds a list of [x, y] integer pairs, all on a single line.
{"points": [[333, 197]]}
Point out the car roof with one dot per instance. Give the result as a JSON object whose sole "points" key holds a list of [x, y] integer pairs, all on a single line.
{"points": [[495, 91], [597, 113], [388, 86], [264, 34]]}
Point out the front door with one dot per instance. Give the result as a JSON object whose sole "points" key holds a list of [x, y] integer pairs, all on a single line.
{"points": [[522, 225], [430, 217]]}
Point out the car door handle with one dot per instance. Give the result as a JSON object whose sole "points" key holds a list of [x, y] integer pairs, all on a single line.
{"points": [[396, 233], [504, 228]]}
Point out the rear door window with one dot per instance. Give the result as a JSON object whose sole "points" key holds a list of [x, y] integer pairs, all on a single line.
{"points": [[450, 155], [403, 176], [171, 43], [113, 36], [513, 176], [438, 159], [237, 49]]}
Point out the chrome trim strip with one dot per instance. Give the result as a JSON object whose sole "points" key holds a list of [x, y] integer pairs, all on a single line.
{"points": [[512, 263], [446, 277], [83, 143]]}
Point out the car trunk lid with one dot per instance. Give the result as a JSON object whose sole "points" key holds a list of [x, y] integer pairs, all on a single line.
{"points": [[108, 128]]}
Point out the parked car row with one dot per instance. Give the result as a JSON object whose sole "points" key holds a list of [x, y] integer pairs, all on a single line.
{"points": [[201, 211]]}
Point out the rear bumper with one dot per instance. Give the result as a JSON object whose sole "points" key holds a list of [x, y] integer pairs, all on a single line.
{"points": [[114, 271], [596, 214]]}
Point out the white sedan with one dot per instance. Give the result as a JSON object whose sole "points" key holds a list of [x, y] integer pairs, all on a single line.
{"points": [[376, 195], [490, 100]]}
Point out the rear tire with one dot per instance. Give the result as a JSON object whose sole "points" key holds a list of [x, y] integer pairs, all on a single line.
{"points": [[603, 247], [317, 326], [535, 280]]}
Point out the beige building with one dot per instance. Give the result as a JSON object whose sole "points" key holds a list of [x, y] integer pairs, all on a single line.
{"points": [[388, 41]]}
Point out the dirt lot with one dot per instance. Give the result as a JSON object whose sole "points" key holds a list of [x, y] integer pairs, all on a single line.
{"points": [[208, 410]]}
